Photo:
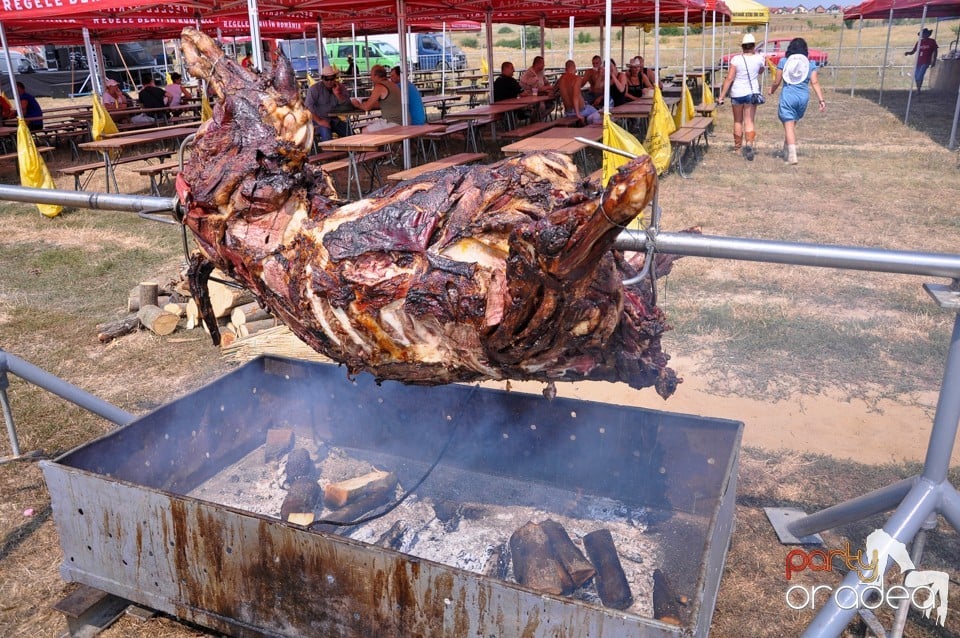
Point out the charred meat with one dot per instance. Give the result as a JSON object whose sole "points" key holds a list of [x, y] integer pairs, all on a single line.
{"points": [[484, 272]]}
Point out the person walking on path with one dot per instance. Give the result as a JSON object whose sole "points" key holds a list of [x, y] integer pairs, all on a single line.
{"points": [[926, 56], [742, 82], [798, 73]]}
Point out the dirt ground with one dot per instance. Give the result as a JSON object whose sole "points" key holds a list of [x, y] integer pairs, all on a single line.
{"points": [[835, 375]]}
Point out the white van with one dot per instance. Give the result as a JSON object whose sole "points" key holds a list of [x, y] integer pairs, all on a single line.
{"points": [[21, 63]]}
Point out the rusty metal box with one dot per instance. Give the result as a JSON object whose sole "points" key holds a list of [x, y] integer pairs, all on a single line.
{"points": [[128, 525]]}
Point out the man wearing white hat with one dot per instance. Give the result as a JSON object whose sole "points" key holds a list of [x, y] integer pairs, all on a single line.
{"points": [[327, 95]]}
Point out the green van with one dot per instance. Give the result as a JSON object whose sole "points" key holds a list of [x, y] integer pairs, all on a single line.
{"points": [[374, 51]]}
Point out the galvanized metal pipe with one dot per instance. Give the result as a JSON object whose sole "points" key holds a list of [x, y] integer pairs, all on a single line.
{"points": [[780, 252], [43, 379], [90, 199], [8, 417]]}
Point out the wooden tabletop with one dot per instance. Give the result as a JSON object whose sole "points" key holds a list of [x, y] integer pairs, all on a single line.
{"points": [[122, 141], [559, 139], [433, 99], [375, 140], [499, 108]]}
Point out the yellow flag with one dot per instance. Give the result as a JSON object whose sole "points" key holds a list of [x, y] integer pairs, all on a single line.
{"points": [[484, 67], [772, 67], [707, 91], [206, 111], [102, 122], [169, 80], [617, 137], [33, 170], [685, 109], [659, 129], [310, 80]]}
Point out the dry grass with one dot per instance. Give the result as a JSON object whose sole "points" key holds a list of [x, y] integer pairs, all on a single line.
{"points": [[864, 179]]}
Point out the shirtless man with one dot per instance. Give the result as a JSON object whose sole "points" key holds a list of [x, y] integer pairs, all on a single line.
{"points": [[573, 104], [594, 77]]}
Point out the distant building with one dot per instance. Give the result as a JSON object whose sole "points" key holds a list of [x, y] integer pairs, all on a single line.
{"points": [[834, 8]]}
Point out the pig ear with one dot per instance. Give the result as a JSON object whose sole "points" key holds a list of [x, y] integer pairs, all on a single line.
{"points": [[285, 80]]}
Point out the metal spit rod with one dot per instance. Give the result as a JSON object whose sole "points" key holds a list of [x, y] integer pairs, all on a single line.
{"points": [[146, 204]]}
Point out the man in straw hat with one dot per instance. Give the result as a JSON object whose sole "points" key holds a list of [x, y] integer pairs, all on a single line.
{"points": [[327, 95], [926, 56]]}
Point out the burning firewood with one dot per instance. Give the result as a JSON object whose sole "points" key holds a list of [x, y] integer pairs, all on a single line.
{"points": [[338, 495], [665, 600], [300, 466], [611, 582], [569, 555], [534, 563], [366, 504], [279, 441], [303, 498]]}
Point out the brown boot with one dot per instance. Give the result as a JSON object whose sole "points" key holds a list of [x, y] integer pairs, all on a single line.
{"points": [[737, 142], [748, 150]]}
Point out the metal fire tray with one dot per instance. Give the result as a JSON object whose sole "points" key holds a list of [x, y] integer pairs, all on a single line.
{"points": [[129, 526]]}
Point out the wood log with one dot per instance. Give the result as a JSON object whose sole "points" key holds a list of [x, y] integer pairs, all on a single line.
{"points": [[300, 466], [303, 498], [569, 555], [192, 313], [157, 320], [110, 330], [247, 313], [253, 327], [149, 294], [338, 495], [279, 441], [665, 601], [534, 564], [227, 339], [133, 299], [610, 579], [354, 511], [224, 298], [175, 308]]}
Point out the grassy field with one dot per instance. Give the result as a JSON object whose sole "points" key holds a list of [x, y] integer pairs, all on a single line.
{"points": [[790, 338]]}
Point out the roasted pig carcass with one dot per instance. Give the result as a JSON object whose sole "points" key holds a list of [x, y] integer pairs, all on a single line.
{"points": [[503, 271]]}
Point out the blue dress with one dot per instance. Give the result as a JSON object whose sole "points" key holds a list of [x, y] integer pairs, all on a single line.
{"points": [[794, 97]]}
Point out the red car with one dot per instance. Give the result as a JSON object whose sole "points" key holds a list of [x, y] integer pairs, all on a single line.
{"points": [[776, 48]]}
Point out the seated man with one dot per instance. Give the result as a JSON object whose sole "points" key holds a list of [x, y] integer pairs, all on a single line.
{"points": [[506, 86], [533, 79], [384, 95], [416, 111], [151, 97], [32, 112], [593, 79], [573, 103], [323, 97]]}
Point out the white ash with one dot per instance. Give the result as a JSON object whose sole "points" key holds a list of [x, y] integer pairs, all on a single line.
{"points": [[485, 510]]}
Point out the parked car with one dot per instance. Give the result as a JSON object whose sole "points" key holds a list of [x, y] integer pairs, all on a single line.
{"points": [[374, 51], [776, 48]]}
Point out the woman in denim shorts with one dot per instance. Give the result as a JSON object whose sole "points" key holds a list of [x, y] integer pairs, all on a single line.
{"points": [[742, 81]]}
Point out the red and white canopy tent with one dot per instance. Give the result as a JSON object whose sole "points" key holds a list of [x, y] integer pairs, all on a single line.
{"points": [[896, 9]]}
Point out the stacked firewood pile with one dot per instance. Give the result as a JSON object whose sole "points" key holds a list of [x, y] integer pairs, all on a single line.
{"points": [[164, 309]]}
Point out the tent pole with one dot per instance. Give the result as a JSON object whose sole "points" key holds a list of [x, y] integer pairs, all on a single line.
{"points": [[840, 49], [404, 89], [856, 58], [623, 44], [543, 37], [916, 63], [656, 40], [93, 66], [356, 58], [570, 40], [953, 129], [886, 51], [319, 49], [607, 22], [488, 23], [443, 65], [684, 116], [10, 74], [256, 45]]}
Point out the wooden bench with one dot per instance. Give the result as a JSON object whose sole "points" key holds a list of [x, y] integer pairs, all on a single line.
{"points": [[538, 127], [326, 156], [158, 172], [6, 157], [80, 169], [453, 160], [705, 109], [686, 139]]}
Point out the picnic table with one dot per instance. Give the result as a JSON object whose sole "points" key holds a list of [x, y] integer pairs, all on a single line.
{"points": [[559, 139], [474, 92], [113, 146], [505, 108], [441, 102], [356, 145]]}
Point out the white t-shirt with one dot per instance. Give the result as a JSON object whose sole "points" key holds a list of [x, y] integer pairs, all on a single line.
{"points": [[748, 68], [175, 91]]}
